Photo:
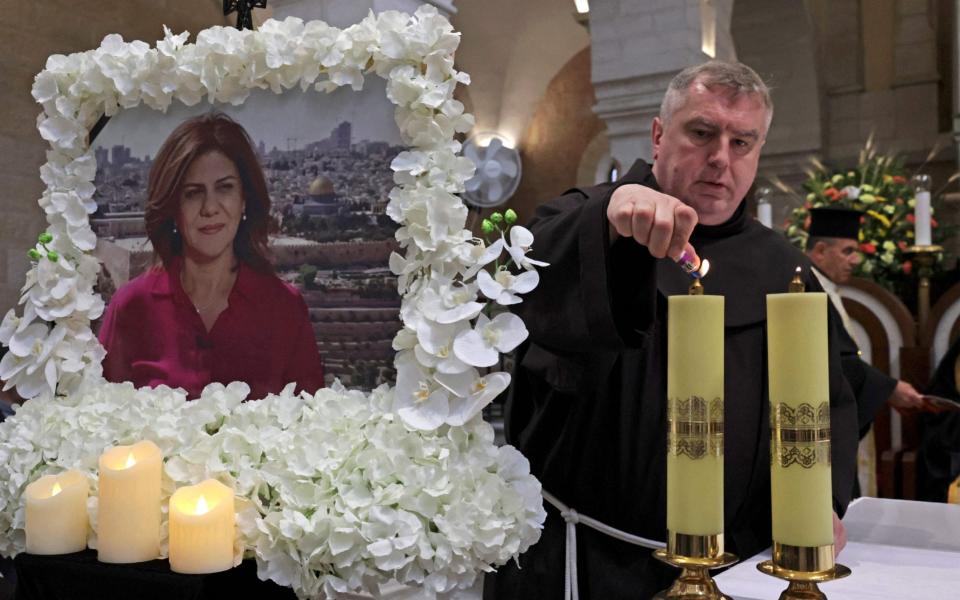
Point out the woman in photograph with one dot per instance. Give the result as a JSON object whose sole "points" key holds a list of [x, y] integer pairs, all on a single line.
{"points": [[211, 309]]}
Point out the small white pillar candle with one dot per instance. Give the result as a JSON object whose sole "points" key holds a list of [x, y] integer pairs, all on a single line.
{"points": [[921, 211], [128, 515], [202, 528], [56, 513], [764, 208]]}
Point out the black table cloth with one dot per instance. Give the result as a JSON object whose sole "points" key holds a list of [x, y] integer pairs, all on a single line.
{"points": [[80, 576]]}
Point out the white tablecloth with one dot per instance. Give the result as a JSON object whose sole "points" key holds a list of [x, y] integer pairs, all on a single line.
{"points": [[897, 550]]}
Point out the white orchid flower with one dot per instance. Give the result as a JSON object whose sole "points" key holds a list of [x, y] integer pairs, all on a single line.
{"points": [[435, 347], [471, 393], [478, 255], [482, 346], [445, 301], [27, 365], [417, 398], [520, 241], [504, 286]]}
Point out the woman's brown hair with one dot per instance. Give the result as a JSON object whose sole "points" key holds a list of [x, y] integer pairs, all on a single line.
{"points": [[213, 131]]}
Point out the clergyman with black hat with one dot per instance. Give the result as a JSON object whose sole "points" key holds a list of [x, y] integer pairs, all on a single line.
{"points": [[834, 248]]}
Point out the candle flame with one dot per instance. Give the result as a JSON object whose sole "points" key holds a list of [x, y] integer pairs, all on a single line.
{"points": [[201, 506], [56, 489], [704, 268], [796, 284], [130, 461]]}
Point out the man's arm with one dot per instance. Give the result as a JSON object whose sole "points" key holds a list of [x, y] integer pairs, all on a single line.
{"points": [[598, 294]]}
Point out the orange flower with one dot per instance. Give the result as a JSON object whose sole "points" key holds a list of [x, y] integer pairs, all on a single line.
{"points": [[911, 218], [899, 179], [933, 222], [868, 248], [907, 267]]}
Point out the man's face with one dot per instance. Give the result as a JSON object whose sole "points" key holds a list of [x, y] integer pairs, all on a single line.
{"points": [[707, 153], [836, 259]]}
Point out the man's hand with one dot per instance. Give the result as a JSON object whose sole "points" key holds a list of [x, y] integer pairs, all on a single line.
{"points": [[660, 222], [905, 398], [839, 535]]}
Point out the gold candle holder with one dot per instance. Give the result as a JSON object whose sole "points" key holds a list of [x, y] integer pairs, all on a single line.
{"points": [[695, 555], [803, 567], [924, 257]]}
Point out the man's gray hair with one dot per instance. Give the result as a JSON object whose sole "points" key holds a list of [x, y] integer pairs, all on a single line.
{"points": [[736, 76]]}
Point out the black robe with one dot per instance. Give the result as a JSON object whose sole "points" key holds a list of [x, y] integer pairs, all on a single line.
{"points": [[939, 457], [588, 397]]}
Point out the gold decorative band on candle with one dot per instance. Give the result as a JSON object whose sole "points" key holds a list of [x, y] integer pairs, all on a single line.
{"points": [[695, 546], [803, 559], [800, 435], [695, 427]]}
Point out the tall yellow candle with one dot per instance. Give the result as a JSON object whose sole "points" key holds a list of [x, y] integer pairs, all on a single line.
{"points": [[695, 417], [128, 515], [801, 491], [202, 528], [56, 513]]}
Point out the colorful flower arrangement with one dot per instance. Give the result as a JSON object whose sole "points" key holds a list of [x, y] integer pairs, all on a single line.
{"points": [[879, 187]]}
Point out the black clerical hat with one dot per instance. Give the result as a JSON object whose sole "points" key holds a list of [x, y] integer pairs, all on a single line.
{"points": [[835, 223]]}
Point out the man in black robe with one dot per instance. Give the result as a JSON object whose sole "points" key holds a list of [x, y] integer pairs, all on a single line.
{"points": [[939, 457], [834, 249], [587, 406]]}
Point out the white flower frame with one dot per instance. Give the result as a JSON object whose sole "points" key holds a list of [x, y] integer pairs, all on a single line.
{"points": [[444, 339], [73, 413]]}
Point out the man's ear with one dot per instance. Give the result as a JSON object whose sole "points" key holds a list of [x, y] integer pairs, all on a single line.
{"points": [[818, 250], [656, 134]]}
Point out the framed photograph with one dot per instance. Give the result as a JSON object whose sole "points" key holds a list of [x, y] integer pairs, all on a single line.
{"points": [[326, 161]]}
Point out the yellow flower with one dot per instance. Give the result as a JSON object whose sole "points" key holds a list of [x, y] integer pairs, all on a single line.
{"points": [[887, 178], [888, 245], [879, 217]]}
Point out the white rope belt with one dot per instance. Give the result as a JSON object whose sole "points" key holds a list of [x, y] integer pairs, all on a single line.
{"points": [[572, 518]]}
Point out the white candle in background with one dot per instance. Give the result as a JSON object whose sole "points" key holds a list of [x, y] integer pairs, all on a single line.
{"points": [[921, 228], [765, 214], [56, 513], [921, 211], [128, 514], [764, 208]]}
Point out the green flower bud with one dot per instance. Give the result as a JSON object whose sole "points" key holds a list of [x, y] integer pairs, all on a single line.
{"points": [[487, 226], [33, 254], [496, 217], [45, 238], [53, 256], [510, 216], [866, 188], [851, 174], [837, 178]]}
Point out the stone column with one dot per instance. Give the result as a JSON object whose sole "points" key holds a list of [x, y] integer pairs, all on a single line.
{"points": [[342, 13], [637, 48]]}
